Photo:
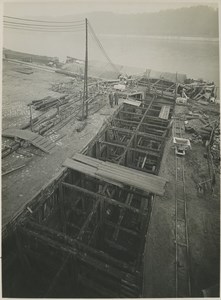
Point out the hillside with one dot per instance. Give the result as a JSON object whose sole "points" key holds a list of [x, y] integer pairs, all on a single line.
{"points": [[197, 21]]}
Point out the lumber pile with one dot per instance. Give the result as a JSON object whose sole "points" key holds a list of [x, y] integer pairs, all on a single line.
{"points": [[26, 71], [117, 174], [48, 102]]}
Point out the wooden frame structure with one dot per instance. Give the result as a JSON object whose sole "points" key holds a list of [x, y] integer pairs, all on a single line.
{"points": [[83, 236]]}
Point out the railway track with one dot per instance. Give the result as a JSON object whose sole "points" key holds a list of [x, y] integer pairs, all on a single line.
{"points": [[182, 261]]}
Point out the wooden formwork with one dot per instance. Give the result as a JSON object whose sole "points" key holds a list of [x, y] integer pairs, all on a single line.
{"points": [[83, 236]]}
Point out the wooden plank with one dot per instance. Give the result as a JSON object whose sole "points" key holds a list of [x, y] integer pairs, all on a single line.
{"points": [[138, 173], [88, 170], [34, 138], [132, 102], [22, 134], [12, 170], [145, 186], [133, 174], [164, 113]]}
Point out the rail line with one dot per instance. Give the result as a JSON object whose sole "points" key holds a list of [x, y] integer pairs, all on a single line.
{"points": [[182, 262]]}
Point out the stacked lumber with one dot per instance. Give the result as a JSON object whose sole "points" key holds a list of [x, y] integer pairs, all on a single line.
{"points": [[48, 102], [26, 71], [117, 174]]}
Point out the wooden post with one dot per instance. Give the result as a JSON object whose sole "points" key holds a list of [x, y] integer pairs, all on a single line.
{"points": [[148, 81], [61, 201], [31, 123], [176, 88], [85, 97]]}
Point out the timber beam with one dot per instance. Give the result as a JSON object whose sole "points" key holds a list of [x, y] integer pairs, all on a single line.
{"points": [[64, 243], [102, 197], [88, 220], [139, 133], [130, 231], [147, 152]]}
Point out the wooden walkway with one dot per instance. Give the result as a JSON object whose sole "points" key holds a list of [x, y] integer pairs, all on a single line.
{"points": [[35, 139]]}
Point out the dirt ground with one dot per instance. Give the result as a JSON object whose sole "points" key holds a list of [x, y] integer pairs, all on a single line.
{"points": [[203, 216], [18, 90]]}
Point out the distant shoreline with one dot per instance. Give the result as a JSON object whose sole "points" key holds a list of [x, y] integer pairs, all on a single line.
{"points": [[163, 37]]}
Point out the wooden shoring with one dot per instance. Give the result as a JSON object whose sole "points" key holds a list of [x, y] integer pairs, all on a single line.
{"points": [[134, 191], [122, 214], [156, 119], [67, 242], [140, 169], [117, 246], [173, 85], [22, 257], [130, 113], [61, 202], [69, 224], [57, 276], [147, 152], [102, 197], [98, 288], [99, 260], [125, 121], [135, 132], [88, 220], [119, 227], [139, 133], [94, 234], [157, 126], [150, 123]]}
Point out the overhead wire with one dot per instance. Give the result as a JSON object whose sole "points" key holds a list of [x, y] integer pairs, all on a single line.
{"points": [[44, 25], [43, 30], [16, 23], [101, 47], [44, 21]]}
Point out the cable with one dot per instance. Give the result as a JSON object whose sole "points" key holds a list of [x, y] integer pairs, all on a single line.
{"points": [[41, 30], [45, 26], [102, 49], [41, 21]]}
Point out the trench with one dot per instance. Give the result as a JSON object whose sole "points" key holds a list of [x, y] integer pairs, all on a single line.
{"points": [[84, 236]]}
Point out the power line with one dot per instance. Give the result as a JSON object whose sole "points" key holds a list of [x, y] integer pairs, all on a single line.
{"points": [[102, 48], [42, 21], [42, 30], [44, 26]]}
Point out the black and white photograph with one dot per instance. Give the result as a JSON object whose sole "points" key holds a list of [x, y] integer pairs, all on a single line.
{"points": [[110, 149]]}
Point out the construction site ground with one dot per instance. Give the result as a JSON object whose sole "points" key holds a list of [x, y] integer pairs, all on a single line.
{"points": [[203, 219], [20, 186], [202, 208]]}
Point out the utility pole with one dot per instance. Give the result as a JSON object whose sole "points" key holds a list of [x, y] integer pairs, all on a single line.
{"points": [[85, 95], [175, 95], [31, 123]]}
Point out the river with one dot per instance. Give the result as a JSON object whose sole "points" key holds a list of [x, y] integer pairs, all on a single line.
{"points": [[198, 58]]}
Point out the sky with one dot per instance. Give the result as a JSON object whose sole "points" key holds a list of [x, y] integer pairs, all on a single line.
{"points": [[58, 8]]}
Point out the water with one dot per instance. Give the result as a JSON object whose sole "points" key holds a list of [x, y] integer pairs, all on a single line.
{"points": [[198, 58]]}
